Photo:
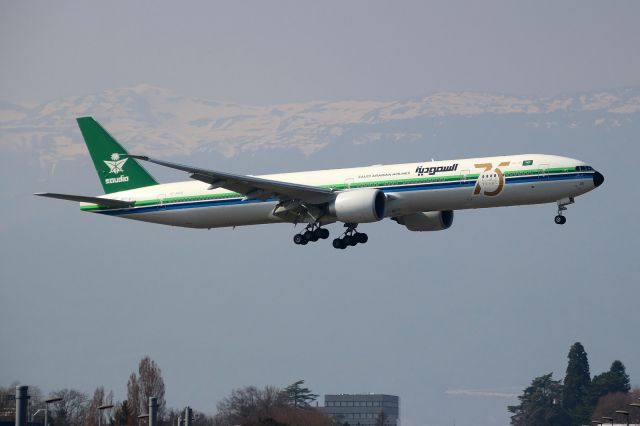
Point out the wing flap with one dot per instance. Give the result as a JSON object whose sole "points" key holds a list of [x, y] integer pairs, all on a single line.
{"points": [[106, 202]]}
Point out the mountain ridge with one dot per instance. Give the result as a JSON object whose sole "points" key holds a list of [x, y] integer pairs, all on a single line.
{"points": [[164, 123]]}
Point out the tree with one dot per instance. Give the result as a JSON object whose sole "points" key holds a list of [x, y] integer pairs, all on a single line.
{"points": [[269, 406], [150, 383], [71, 411], [249, 405], [93, 411], [147, 383], [609, 403], [96, 401], [122, 413], [618, 378], [540, 404], [299, 396], [614, 380], [577, 380], [133, 397]]}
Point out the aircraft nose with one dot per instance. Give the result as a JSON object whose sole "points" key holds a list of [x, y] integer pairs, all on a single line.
{"points": [[598, 178]]}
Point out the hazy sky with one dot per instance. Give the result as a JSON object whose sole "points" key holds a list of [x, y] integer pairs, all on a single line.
{"points": [[268, 52], [487, 305]]}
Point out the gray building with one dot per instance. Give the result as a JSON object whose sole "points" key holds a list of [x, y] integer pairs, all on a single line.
{"points": [[363, 409]]}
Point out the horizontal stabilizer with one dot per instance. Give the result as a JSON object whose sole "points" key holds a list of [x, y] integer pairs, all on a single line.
{"points": [[106, 202]]}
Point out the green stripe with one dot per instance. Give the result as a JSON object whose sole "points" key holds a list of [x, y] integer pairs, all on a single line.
{"points": [[339, 186]]}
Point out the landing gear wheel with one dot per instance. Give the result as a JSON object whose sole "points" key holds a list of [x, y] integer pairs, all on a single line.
{"points": [[311, 236], [298, 239], [323, 233], [362, 237], [339, 244], [562, 206]]}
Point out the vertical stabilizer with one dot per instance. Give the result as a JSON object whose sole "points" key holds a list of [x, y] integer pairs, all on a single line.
{"points": [[116, 171]]}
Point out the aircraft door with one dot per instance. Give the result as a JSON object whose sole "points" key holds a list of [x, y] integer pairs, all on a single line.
{"points": [[467, 185], [542, 174], [348, 182]]}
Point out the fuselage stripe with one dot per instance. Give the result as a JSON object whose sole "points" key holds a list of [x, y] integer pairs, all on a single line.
{"points": [[387, 189]]}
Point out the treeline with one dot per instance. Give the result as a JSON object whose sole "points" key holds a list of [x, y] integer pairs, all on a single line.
{"points": [[249, 406], [578, 398]]}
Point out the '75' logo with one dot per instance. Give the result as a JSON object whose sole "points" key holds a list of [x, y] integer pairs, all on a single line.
{"points": [[491, 181]]}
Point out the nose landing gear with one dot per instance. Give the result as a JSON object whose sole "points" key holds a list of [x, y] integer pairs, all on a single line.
{"points": [[350, 237], [312, 233], [560, 220], [562, 206]]}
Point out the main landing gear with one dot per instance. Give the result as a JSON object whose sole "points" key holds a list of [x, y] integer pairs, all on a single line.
{"points": [[350, 237], [312, 233], [562, 206]]}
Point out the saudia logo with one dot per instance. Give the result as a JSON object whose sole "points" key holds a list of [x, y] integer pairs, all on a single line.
{"points": [[420, 170], [116, 166], [491, 181]]}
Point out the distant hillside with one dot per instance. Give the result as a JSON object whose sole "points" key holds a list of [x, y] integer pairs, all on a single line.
{"points": [[158, 121]]}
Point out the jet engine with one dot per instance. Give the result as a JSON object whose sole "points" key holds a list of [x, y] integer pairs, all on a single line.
{"points": [[359, 205], [426, 221]]}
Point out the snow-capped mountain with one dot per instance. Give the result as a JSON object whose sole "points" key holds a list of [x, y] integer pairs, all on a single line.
{"points": [[160, 122]]}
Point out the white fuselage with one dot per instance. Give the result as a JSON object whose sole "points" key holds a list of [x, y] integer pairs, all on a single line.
{"points": [[410, 188]]}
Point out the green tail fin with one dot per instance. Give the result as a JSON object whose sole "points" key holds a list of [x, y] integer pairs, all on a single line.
{"points": [[116, 171]]}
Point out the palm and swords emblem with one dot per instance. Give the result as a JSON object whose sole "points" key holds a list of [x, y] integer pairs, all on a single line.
{"points": [[115, 165]]}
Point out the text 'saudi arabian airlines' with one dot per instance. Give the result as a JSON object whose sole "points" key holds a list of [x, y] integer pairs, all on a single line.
{"points": [[420, 196]]}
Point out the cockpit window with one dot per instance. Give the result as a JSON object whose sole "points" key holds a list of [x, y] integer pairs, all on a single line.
{"points": [[584, 168]]}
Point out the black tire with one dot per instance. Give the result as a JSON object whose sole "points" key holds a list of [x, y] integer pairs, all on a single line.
{"points": [[560, 220], [310, 236], [350, 240], [323, 233], [362, 238], [297, 239], [338, 243]]}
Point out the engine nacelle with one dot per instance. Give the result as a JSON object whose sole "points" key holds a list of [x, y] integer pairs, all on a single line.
{"points": [[427, 221], [359, 205]]}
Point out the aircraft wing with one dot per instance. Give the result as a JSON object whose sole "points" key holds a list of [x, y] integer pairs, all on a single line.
{"points": [[107, 202], [250, 186]]}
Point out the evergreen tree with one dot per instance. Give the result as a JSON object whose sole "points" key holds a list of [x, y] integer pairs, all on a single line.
{"points": [[122, 413], [299, 396], [618, 378], [614, 380], [577, 382], [540, 404]]}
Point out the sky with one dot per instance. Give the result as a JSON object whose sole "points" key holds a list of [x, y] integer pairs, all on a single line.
{"points": [[436, 318], [274, 52]]}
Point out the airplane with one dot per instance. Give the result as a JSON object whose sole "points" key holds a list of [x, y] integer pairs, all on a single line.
{"points": [[420, 196]]}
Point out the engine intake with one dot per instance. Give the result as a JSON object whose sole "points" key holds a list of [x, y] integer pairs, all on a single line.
{"points": [[359, 205], [427, 221]]}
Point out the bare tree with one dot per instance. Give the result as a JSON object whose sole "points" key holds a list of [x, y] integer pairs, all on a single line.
{"points": [[609, 403], [93, 412], [133, 398], [150, 384], [147, 383], [72, 410], [267, 406]]}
